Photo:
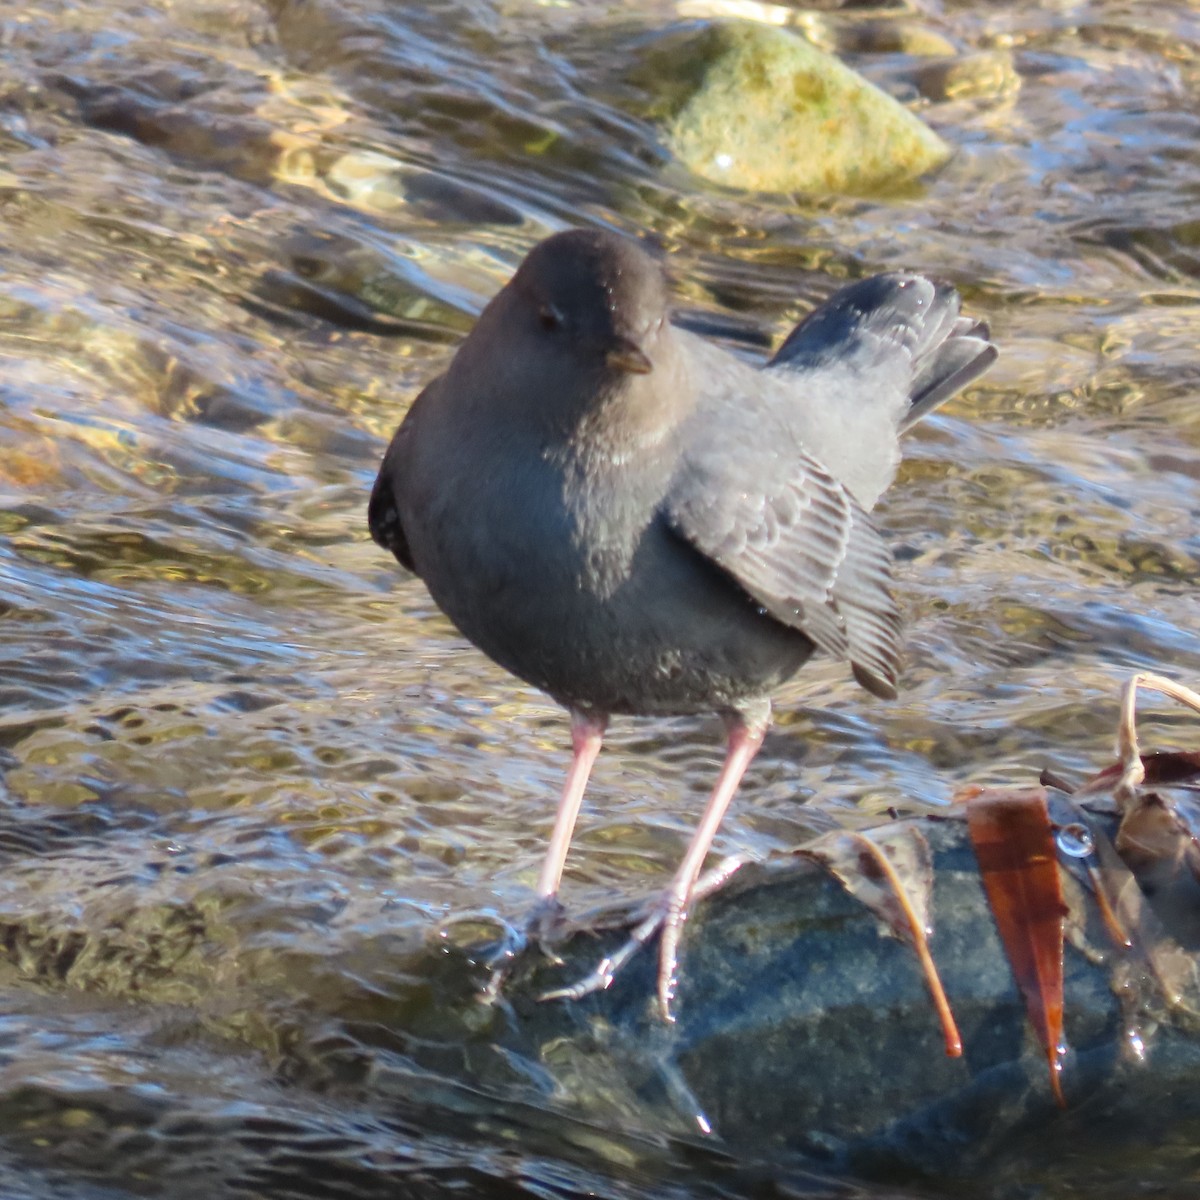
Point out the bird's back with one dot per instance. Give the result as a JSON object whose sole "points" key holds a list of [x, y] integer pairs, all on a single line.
{"points": [[868, 364]]}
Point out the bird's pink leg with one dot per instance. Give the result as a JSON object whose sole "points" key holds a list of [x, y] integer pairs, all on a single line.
{"points": [[744, 743], [587, 734], [668, 915]]}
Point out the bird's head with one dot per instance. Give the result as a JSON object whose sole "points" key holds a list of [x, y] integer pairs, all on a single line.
{"points": [[591, 297], [577, 344]]}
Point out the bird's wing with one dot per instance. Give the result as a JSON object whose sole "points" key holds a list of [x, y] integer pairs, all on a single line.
{"points": [[797, 541], [383, 513]]}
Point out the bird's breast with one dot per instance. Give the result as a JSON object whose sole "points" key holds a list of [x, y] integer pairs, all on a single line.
{"points": [[570, 579]]}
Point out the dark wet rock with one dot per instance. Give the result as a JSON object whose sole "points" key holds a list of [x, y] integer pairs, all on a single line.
{"points": [[803, 1027], [988, 75], [888, 37]]}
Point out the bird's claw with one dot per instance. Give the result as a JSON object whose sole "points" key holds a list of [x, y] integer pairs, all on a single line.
{"points": [[500, 963], [597, 981], [541, 924], [665, 917]]}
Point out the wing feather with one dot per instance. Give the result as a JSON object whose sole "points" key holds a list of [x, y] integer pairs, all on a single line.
{"points": [[800, 545]]}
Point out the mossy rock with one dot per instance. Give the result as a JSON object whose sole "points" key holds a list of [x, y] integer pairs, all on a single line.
{"points": [[754, 107]]}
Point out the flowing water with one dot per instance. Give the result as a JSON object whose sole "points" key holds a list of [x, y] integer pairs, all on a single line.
{"points": [[250, 774]]}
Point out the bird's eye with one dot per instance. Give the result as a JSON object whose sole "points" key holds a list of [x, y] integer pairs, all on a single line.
{"points": [[549, 318]]}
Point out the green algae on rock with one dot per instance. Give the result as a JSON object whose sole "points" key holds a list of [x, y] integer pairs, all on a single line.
{"points": [[760, 109]]}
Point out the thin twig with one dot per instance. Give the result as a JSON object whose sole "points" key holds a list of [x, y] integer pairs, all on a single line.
{"points": [[1128, 751]]}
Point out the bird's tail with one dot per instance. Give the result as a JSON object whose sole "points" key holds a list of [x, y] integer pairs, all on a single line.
{"points": [[869, 325], [948, 366]]}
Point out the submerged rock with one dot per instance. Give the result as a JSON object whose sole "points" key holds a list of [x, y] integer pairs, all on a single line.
{"points": [[804, 1034], [754, 107], [988, 75], [804, 1028]]}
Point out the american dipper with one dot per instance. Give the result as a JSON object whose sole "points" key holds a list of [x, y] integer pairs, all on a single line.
{"points": [[635, 521]]}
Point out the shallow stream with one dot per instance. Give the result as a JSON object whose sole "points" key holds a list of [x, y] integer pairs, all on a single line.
{"points": [[249, 774]]}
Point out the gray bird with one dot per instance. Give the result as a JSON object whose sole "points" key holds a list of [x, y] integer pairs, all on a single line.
{"points": [[633, 520]]}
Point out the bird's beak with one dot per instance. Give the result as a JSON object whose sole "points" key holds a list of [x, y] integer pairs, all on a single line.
{"points": [[626, 355]]}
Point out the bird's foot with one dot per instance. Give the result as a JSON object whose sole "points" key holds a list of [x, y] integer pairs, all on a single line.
{"points": [[667, 918], [543, 922], [606, 970]]}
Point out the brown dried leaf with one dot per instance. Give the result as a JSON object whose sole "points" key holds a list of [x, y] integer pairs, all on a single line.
{"points": [[1014, 843], [890, 870], [852, 858], [1162, 768], [1156, 842]]}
